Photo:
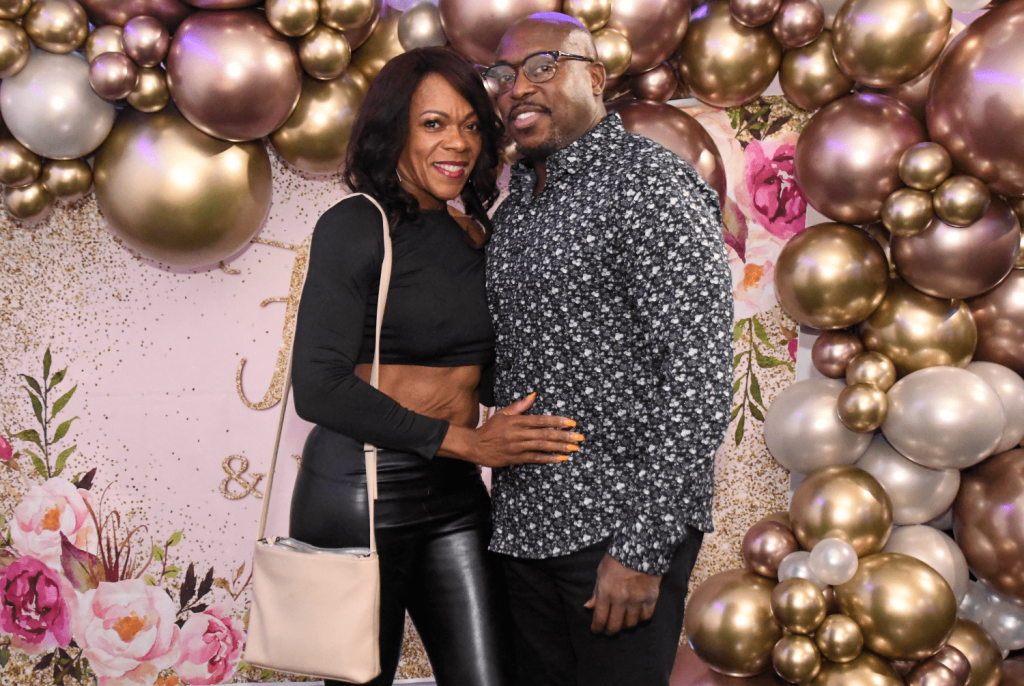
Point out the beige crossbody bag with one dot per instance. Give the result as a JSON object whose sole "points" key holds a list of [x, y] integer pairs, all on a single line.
{"points": [[316, 611]]}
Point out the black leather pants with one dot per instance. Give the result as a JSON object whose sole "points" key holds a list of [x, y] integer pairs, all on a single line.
{"points": [[433, 527]]}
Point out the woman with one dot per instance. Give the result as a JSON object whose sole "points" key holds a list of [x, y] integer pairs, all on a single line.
{"points": [[426, 134]]}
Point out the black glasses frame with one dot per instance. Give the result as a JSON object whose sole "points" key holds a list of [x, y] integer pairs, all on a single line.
{"points": [[491, 79]]}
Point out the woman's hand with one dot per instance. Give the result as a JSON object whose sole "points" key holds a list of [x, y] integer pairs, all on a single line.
{"points": [[510, 437]]}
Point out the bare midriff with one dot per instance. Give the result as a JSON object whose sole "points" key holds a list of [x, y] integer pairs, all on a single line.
{"points": [[448, 393]]}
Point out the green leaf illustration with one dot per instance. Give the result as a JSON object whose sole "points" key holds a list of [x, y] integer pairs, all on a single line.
{"points": [[736, 385], [57, 378], [84, 570], [736, 360], [5, 656], [760, 332], [150, 581], [62, 430], [737, 331], [735, 411], [171, 572], [766, 361], [739, 429], [755, 389], [62, 401], [38, 464], [46, 364], [29, 435], [37, 406], [175, 539], [33, 383], [62, 459], [158, 553], [755, 411]]}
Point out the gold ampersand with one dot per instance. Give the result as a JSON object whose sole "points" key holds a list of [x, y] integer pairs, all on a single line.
{"points": [[237, 476]]}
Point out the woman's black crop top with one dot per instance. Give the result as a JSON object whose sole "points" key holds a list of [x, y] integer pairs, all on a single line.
{"points": [[436, 315]]}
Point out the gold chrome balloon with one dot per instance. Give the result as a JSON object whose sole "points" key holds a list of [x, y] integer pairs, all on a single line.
{"points": [[19, 166], [810, 77], [754, 13], [614, 51], [729, 623], [68, 180], [57, 25], [915, 330], [653, 27], [14, 9], [862, 407], [1000, 319], [873, 368], [798, 22], [925, 165], [839, 638], [14, 48], [981, 652], [324, 53], [766, 544], [347, 15], [906, 212], [113, 75], [882, 43], [150, 93], [103, 40], [841, 502], [656, 85], [831, 276], [420, 27], [293, 18], [798, 606], [591, 13], [31, 204], [878, 231], [724, 62], [833, 351], [865, 670], [904, 607], [961, 200], [380, 47], [146, 41], [796, 659]]}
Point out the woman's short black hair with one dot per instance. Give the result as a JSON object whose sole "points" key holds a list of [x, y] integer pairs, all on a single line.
{"points": [[381, 129]]}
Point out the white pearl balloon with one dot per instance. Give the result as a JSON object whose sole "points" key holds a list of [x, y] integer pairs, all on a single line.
{"points": [[974, 605], [796, 565], [51, 108], [833, 560], [1004, 621], [918, 494], [935, 549], [1010, 388], [944, 522]]}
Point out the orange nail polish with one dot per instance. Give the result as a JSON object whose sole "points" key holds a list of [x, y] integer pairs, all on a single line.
{"points": [[569, 422], [572, 448], [576, 437], [563, 458]]}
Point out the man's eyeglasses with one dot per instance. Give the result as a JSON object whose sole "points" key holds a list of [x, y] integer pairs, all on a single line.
{"points": [[538, 68]]}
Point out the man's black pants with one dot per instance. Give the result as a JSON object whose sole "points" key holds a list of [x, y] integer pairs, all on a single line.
{"points": [[553, 641]]}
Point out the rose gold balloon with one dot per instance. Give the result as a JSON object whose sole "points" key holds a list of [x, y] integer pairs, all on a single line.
{"points": [[14, 48], [19, 166], [68, 180], [925, 165], [871, 368], [113, 75], [356, 37], [810, 77], [961, 200], [833, 350], [950, 262], [864, 670], [656, 85], [591, 13], [14, 9], [118, 12], [293, 18], [221, 4], [653, 27], [839, 638], [798, 22], [680, 133], [150, 93], [1013, 672], [31, 204], [765, 545], [981, 651], [862, 407], [754, 13], [931, 673], [847, 158], [724, 62], [999, 315], [954, 660], [882, 43], [103, 40], [796, 659], [906, 212], [474, 27], [903, 667], [57, 25], [348, 15], [614, 51], [324, 53], [690, 670], [842, 502], [146, 41], [232, 75]]}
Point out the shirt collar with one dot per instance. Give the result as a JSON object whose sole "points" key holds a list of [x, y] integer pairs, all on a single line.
{"points": [[577, 156]]}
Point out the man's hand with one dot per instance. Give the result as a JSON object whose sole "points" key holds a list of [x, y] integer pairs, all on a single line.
{"points": [[622, 597]]}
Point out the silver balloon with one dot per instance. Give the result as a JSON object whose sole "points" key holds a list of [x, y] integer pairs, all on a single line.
{"points": [[1004, 621], [935, 549], [944, 418], [803, 431], [833, 560], [1010, 388], [974, 605], [918, 494], [797, 565], [420, 27], [51, 108]]}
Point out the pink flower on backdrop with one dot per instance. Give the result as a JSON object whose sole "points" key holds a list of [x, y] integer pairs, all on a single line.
{"points": [[770, 177], [6, 451], [35, 606], [127, 631], [792, 346], [753, 279], [211, 643], [45, 512]]}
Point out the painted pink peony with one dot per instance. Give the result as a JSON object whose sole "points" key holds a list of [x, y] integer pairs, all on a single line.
{"points": [[35, 609], [211, 643], [44, 513], [127, 631], [6, 451], [770, 174]]}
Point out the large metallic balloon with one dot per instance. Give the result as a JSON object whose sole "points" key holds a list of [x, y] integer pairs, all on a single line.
{"points": [[380, 47], [981, 651], [915, 330], [907, 212], [118, 12], [796, 659], [864, 670], [68, 180], [32, 204], [14, 48], [833, 350], [831, 276], [925, 165], [315, 137], [593, 14], [475, 27], [951, 262], [680, 133], [653, 27], [232, 75], [935, 549], [19, 166], [944, 418], [14, 9], [904, 607], [729, 622], [754, 13], [724, 62], [656, 85], [862, 407], [614, 50], [798, 22], [690, 670], [52, 110], [803, 431], [356, 37], [113, 75], [1010, 388], [765, 545], [798, 605], [420, 27], [873, 368], [293, 18], [324, 53], [839, 638], [961, 200], [882, 43], [841, 502], [810, 77], [972, 111], [146, 41], [177, 195], [999, 315], [847, 158], [150, 93], [348, 15], [989, 521], [221, 4], [103, 40], [58, 26], [918, 494]]}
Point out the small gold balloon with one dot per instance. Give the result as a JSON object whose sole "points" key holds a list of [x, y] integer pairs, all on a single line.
{"points": [[781, 517], [839, 638], [656, 85], [19, 166], [293, 18], [420, 27], [13, 9], [798, 606], [844, 502], [873, 368], [103, 40], [347, 15], [862, 407], [591, 13], [906, 212], [146, 41], [981, 652], [961, 200], [14, 48], [754, 13], [380, 47], [614, 51], [864, 670], [925, 165], [796, 659], [68, 180], [150, 93], [324, 53], [31, 204], [57, 25], [810, 77], [798, 22]]}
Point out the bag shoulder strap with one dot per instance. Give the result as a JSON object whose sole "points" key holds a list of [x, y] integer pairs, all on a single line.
{"points": [[369, 450]]}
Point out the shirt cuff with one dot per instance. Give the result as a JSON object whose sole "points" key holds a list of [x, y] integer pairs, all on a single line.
{"points": [[643, 549]]}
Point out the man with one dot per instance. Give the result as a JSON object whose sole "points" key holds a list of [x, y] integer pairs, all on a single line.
{"points": [[610, 291]]}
